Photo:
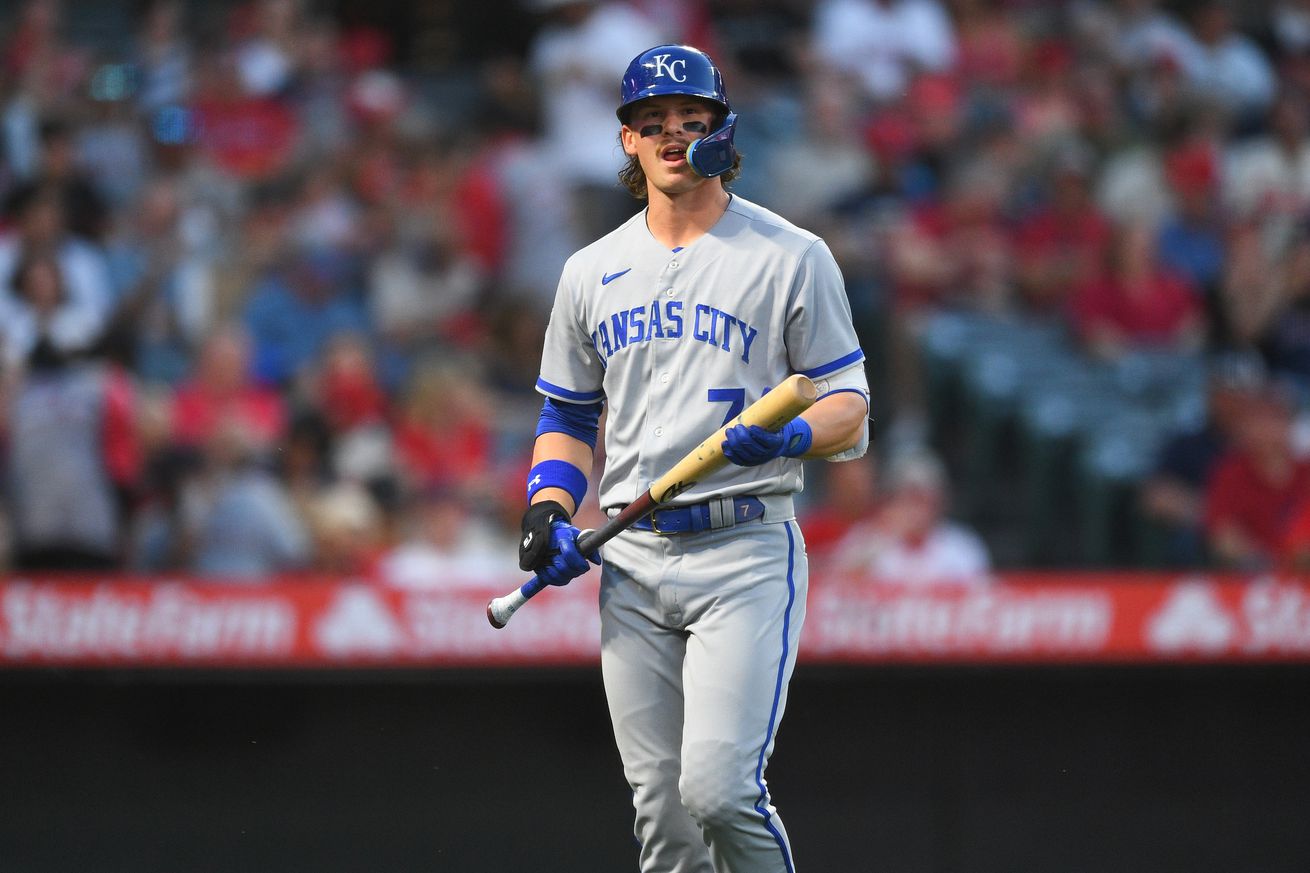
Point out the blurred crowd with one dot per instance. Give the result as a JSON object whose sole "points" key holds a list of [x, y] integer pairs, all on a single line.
{"points": [[272, 290]]}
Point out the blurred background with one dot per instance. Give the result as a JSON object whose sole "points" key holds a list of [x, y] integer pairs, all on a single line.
{"points": [[273, 281]]}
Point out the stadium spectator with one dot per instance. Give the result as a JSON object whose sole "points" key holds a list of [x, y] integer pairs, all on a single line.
{"points": [[163, 288], [536, 243], [830, 140], [445, 545], [910, 541], [1064, 239], [1288, 28], [268, 45], [849, 497], [1173, 494], [1135, 303], [163, 57], [344, 387], [349, 532], [241, 521], [318, 91], [574, 61], [1133, 184], [72, 457], [324, 214], [58, 169], [1295, 554], [955, 252], [1046, 111], [991, 44], [159, 539], [1268, 176], [883, 44], [1266, 298], [1284, 339], [304, 466], [251, 136], [294, 311], [1256, 487], [1132, 34], [38, 69], [76, 321], [1224, 64], [424, 285], [443, 430], [1192, 234], [113, 145], [221, 392]]}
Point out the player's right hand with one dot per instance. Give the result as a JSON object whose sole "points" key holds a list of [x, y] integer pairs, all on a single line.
{"points": [[752, 446]]}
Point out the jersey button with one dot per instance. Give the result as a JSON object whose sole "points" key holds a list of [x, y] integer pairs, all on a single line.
{"points": [[673, 265], [668, 293], [664, 379], [659, 431]]}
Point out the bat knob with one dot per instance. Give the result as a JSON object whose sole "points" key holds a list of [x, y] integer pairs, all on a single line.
{"points": [[491, 616]]}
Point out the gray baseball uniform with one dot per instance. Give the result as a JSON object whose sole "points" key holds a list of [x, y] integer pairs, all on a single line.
{"points": [[699, 629]]}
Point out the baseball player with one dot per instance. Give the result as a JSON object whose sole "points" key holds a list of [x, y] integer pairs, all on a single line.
{"points": [[677, 320]]}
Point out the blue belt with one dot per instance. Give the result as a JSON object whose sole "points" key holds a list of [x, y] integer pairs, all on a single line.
{"points": [[711, 515]]}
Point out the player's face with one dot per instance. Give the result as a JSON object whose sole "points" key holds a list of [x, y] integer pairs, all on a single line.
{"points": [[658, 131]]}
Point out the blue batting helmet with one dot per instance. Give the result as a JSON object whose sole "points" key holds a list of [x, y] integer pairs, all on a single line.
{"points": [[671, 69]]}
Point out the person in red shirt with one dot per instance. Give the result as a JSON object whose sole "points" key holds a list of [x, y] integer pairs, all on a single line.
{"points": [[443, 432], [850, 496], [1135, 303], [1256, 488], [222, 390], [1064, 240], [1296, 544]]}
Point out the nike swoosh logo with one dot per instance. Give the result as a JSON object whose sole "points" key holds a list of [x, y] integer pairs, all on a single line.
{"points": [[610, 277]]}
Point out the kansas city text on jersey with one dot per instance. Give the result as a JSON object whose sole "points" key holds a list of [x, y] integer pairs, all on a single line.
{"points": [[665, 319]]}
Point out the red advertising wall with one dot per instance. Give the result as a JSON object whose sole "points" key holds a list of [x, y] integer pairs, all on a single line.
{"points": [[298, 622]]}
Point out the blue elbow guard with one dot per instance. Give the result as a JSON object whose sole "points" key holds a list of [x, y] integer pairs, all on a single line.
{"points": [[578, 420]]}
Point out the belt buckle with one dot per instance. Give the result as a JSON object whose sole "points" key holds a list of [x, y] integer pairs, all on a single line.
{"points": [[655, 525]]}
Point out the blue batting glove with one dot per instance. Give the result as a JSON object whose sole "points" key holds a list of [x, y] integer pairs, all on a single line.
{"points": [[752, 446], [566, 562]]}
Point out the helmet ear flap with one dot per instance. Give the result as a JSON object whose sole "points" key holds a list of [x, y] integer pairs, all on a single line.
{"points": [[714, 154]]}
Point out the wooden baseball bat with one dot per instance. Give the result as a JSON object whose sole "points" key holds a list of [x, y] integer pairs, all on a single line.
{"points": [[788, 400]]}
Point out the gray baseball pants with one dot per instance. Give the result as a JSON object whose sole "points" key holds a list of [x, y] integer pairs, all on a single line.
{"points": [[698, 642]]}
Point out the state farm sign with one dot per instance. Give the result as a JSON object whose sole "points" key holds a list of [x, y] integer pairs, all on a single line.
{"points": [[852, 622], [296, 622], [1263, 617], [166, 622]]}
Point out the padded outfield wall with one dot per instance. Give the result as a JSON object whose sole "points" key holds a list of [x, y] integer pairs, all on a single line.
{"points": [[963, 769]]}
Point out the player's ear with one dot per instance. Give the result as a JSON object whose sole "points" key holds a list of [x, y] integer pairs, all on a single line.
{"points": [[628, 138]]}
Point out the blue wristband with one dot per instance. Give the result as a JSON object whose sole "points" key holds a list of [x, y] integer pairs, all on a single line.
{"points": [[558, 474], [797, 435]]}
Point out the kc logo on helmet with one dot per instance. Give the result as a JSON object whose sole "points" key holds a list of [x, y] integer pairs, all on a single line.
{"points": [[662, 66]]}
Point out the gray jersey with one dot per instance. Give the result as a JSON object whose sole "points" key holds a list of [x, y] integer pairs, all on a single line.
{"points": [[678, 342]]}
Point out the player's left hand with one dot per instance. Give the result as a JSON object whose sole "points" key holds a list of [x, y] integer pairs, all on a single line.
{"points": [[752, 446], [566, 562], [550, 545]]}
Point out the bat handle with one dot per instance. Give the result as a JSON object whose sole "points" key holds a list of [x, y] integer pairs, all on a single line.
{"points": [[501, 609]]}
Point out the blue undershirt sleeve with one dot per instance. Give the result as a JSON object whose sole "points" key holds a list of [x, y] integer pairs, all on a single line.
{"points": [[578, 420]]}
